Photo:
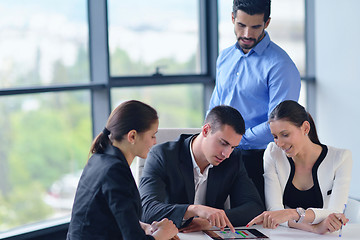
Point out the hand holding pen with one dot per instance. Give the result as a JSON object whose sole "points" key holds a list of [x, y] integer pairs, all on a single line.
{"points": [[342, 223]]}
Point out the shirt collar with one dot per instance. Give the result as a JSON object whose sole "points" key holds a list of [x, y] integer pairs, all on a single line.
{"points": [[195, 166], [259, 48], [114, 151]]}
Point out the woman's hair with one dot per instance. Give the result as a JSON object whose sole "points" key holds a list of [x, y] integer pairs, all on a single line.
{"points": [[296, 114], [129, 115]]}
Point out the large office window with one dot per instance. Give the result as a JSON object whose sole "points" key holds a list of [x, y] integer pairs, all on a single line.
{"points": [[159, 52], [178, 105], [159, 38], [43, 42], [45, 137], [153, 37], [44, 144]]}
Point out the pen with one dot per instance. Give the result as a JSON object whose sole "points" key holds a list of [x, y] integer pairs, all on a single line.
{"points": [[342, 221]]}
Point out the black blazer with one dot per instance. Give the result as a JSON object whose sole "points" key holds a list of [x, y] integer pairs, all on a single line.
{"points": [[167, 185], [107, 202]]}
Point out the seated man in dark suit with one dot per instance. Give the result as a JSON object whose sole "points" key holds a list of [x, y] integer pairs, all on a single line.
{"points": [[189, 180]]}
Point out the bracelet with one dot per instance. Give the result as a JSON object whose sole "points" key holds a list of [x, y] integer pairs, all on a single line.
{"points": [[301, 213]]}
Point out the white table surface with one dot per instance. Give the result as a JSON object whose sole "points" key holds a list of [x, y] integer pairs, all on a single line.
{"points": [[349, 232]]}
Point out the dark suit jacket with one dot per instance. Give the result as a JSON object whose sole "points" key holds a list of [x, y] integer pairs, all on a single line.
{"points": [[107, 202], [167, 185]]}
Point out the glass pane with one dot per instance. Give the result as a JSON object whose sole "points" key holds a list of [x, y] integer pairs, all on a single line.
{"points": [[43, 42], [44, 144], [303, 92], [286, 29], [178, 106], [148, 37]]}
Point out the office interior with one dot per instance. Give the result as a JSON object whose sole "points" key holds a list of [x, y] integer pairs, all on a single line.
{"points": [[330, 84]]}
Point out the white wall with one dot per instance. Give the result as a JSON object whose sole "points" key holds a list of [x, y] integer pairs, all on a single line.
{"points": [[337, 46]]}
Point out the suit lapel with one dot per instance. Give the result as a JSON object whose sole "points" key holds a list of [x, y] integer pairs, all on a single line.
{"points": [[213, 181], [186, 168]]}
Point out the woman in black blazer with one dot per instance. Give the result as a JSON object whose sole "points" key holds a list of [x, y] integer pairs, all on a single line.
{"points": [[107, 202]]}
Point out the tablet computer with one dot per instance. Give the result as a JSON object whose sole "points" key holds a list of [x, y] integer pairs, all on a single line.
{"points": [[240, 233]]}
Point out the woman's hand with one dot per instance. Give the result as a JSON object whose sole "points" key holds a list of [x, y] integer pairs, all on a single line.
{"points": [[332, 223], [149, 230], [272, 219], [164, 230]]}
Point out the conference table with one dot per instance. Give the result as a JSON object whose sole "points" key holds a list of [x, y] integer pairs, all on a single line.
{"points": [[349, 232]]}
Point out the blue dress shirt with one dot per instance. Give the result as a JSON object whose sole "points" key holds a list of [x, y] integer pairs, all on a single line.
{"points": [[254, 83]]}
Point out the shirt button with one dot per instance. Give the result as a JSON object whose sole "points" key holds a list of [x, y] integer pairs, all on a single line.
{"points": [[237, 74]]}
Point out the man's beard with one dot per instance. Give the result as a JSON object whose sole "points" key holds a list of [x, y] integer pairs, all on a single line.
{"points": [[255, 41]]}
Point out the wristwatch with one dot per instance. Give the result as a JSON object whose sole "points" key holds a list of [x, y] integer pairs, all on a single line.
{"points": [[301, 213]]}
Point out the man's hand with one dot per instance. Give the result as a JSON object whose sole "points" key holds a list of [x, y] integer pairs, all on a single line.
{"points": [[216, 217], [197, 224]]}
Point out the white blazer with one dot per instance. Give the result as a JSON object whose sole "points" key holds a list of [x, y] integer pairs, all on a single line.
{"points": [[334, 173]]}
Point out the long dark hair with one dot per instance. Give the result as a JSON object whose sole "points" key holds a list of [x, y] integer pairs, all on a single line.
{"points": [[129, 115], [296, 114]]}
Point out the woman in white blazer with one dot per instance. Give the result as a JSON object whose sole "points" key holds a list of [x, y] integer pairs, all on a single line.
{"points": [[306, 182]]}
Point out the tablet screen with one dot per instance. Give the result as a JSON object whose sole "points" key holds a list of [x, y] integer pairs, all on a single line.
{"points": [[240, 233]]}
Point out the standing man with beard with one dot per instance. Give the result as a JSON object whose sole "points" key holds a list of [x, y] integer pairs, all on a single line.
{"points": [[253, 76]]}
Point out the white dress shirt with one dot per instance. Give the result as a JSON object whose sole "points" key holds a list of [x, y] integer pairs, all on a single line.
{"points": [[200, 180]]}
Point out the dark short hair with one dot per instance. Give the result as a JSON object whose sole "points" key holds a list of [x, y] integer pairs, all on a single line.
{"points": [[252, 7], [225, 115], [129, 115], [293, 112]]}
